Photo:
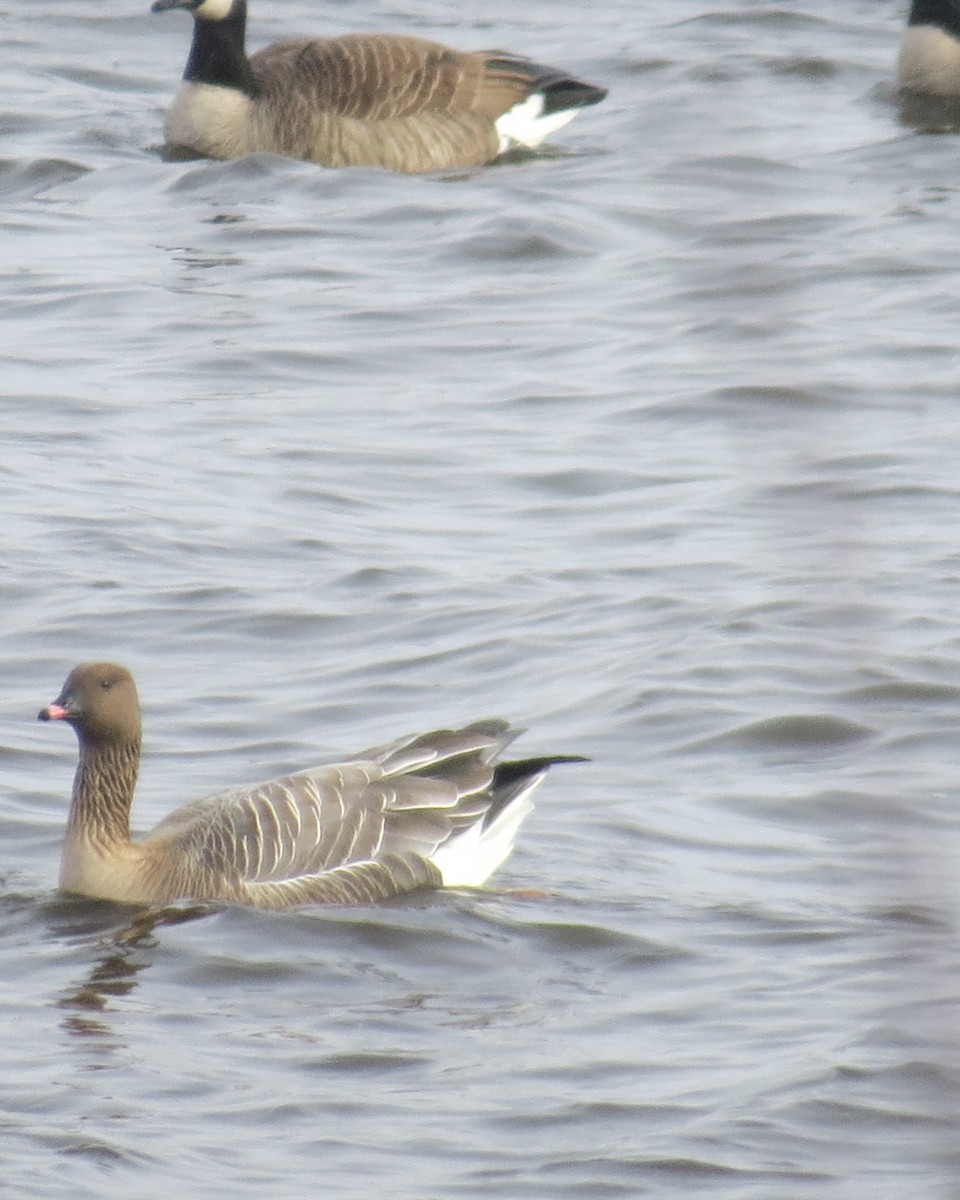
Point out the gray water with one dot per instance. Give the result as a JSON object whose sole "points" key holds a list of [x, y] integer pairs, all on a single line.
{"points": [[651, 445]]}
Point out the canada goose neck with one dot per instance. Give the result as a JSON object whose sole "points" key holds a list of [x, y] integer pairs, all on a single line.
{"points": [[218, 54], [944, 13], [103, 793]]}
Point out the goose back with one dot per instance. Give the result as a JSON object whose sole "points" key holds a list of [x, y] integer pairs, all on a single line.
{"points": [[397, 803], [396, 102]]}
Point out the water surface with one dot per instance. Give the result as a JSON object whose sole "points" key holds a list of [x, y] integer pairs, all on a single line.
{"points": [[649, 444]]}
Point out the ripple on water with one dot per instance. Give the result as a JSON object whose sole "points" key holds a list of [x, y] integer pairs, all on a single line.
{"points": [[20, 179], [905, 691], [799, 731]]}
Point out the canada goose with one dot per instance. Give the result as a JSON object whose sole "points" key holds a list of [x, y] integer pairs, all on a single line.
{"points": [[375, 100], [432, 810], [929, 62]]}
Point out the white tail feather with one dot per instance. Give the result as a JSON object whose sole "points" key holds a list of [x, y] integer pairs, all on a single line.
{"points": [[523, 125], [471, 857]]}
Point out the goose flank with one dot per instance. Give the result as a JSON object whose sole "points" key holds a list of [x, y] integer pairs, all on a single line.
{"points": [[430, 810], [376, 100]]}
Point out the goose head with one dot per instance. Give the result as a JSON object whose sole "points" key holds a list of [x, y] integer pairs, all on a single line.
{"points": [[203, 10], [100, 701]]}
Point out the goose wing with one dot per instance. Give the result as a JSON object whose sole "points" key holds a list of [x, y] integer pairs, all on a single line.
{"points": [[359, 830], [385, 77]]}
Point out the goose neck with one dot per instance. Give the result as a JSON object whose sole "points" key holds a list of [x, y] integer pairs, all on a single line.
{"points": [[103, 790], [943, 13], [218, 54]]}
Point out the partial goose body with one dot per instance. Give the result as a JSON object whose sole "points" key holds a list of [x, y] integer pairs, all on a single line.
{"points": [[929, 62], [432, 810], [379, 100]]}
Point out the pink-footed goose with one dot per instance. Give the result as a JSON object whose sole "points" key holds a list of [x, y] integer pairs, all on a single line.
{"points": [[431, 810], [375, 100]]}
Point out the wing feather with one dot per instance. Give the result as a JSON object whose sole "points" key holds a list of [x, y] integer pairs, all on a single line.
{"points": [[383, 77], [356, 883], [352, 832], [397, 102]]}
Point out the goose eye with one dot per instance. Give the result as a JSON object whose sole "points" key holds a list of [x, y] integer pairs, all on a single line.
{"points": [[106, 684]]}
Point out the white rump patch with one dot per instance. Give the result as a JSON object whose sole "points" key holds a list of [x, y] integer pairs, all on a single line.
{"points": [[929, 61], [471, 857], [524, 124]]}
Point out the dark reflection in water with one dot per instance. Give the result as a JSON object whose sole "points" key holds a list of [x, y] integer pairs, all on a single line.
{"points": [[929, 114], [115, 975], [116, 971]]}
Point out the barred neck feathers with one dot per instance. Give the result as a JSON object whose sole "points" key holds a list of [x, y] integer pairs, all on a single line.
{"points": [[103, 790]]}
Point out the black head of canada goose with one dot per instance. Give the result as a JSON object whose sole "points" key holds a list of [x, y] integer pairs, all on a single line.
{"points": [[380, 100], [431, 810], [929, 63]]}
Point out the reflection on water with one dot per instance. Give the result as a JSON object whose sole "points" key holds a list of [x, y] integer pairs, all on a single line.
{"points": [[929, 114], [116, 971], [114, 975]]}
